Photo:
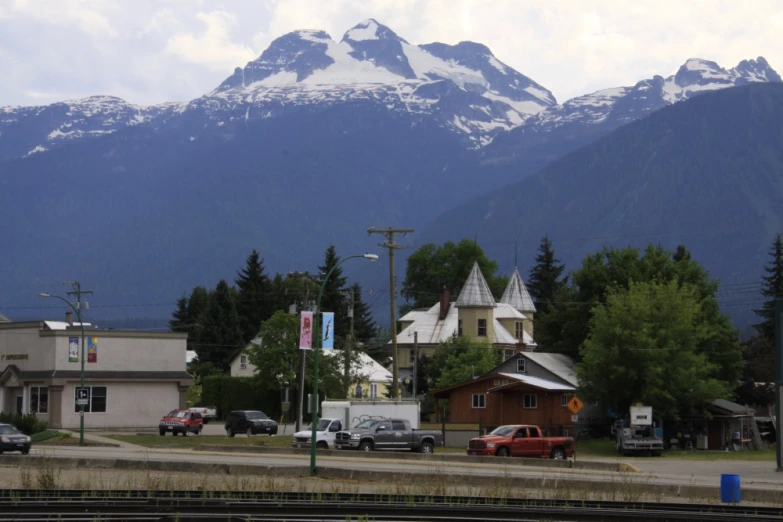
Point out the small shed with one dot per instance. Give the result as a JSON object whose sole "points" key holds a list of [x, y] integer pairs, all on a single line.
{"points": [[729, 418]]}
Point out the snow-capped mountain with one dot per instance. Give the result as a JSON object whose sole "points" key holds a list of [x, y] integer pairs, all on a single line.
{"points": [[625, 104], [30, 130], [463, 85]]}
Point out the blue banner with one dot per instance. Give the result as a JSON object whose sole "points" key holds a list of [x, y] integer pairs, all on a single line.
{"points": [[327, 341]]}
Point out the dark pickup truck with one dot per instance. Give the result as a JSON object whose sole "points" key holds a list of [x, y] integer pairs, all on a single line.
{"points": [[388, 434]]}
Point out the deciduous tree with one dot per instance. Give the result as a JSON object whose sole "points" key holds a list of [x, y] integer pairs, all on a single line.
{"points": [[460, 359], [643, 347]]}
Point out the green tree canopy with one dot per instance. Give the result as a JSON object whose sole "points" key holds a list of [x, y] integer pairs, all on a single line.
{"points": [[432, 267], [772, 290], [565, 327], [253, 304], [460, 359], [545, 279], [643, 347]]}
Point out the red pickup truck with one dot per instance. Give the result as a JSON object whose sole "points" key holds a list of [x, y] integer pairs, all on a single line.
{"points": [[521, 441]]}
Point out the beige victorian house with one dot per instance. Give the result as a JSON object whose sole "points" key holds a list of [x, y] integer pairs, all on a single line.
{"points": [[505, 325]]}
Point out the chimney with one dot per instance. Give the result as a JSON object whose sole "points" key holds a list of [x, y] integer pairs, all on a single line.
{"points": [[69, 318], [444, 303]]}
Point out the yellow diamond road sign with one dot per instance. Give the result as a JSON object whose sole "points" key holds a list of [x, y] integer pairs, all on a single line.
{"points": [[574, 404]]}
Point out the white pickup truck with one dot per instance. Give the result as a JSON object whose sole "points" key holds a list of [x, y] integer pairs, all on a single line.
{"points": [[208, 413], [324, 435]]}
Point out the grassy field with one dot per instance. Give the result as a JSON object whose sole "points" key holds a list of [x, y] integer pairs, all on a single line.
{"points": [[607, 448]]}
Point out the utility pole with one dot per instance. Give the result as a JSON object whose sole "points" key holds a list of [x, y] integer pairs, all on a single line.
{"points": [[302, 353], [415, 361], [392, 246], [77, 291], [779, 376], [348, 348]]}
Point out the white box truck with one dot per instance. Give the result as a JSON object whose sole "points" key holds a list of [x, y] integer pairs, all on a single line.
{"points": [[352, 412]]}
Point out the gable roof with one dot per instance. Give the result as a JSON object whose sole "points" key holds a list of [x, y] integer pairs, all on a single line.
{"points": [[516, 294], [559, 364], [476, 293], [538, 382], [365, 367], [4, 319], [432, 330]]}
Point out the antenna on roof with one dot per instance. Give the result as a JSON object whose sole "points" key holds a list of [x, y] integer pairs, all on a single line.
{"points": [[516, 252]]}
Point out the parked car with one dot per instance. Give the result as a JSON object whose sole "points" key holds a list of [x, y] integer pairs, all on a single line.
{"points": [[324, 435], [521, 441], [251, 422], [182, 422], [388, 434], [208, 413], [11, 439]]}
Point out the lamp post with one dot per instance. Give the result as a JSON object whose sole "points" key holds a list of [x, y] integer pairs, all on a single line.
{"points": [[81, 325], [317, 350]]}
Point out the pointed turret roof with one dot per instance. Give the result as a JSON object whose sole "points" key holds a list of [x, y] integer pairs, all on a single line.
{"points": [[516, 294], [476, 293], [4, 319]]}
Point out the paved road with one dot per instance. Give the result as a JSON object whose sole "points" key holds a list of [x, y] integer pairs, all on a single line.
{"points": [[657, 471]]}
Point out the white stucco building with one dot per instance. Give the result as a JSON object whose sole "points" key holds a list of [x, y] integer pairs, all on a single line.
{"points": [[133, 377]]}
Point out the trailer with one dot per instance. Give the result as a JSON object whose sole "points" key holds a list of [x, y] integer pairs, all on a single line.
{"points": [[354, 411]]}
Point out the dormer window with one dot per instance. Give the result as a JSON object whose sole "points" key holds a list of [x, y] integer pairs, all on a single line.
{"points": [[521, 365], [243, 362], [459, 327], [520, 332], [482, 328]]}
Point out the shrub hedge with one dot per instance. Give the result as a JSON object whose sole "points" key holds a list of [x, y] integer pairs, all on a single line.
{"points": [[239, 393], [28, 424]]}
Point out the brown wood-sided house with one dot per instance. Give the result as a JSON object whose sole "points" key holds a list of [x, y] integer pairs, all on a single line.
{"points": [[530, 388]]}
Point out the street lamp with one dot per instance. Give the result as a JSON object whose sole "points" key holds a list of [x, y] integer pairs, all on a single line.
{"points": [[81, 324], [317, 350]]}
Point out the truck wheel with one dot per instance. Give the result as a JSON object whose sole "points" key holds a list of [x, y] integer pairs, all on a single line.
{"points": [[426, 447], [502, 452], [249, 432], [162, 433], [185, 431], [558, 454], [230, 432], [322, 445], [657, 454], [365, 446]]}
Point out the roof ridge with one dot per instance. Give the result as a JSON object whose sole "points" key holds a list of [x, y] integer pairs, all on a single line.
{"points": [[517, 295]]}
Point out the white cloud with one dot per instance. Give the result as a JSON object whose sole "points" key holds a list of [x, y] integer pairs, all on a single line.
{"points": [[158, 50], [212, 48]]}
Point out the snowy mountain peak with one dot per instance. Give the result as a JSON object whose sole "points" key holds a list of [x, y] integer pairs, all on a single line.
{"points": [[464, 85], [619, 105]]}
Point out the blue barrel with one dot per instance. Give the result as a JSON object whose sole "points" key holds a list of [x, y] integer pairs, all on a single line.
{"points": [[730, 488]]}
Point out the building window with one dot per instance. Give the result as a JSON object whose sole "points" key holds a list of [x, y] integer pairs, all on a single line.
{"points": [[564, 398], [521, 365], [519, 330], [482, 328], [505, 381], [459, 327], [39, 399], [373, 390], [479, 400], [96, 402], [242, 362], [412, 357], [497, 382], [508, 354], [531, 401]]}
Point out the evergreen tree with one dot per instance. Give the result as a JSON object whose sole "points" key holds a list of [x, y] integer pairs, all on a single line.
{"points": [[196, 315], [253, 302], [333, 299], [179, 317], [544, 281], [772, 290], [221, 336], [364, 328]]}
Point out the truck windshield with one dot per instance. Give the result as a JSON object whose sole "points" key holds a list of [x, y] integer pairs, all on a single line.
{"points": [[323, 425], [503, 431], [177, 414], [368, 424], [255, 415]]}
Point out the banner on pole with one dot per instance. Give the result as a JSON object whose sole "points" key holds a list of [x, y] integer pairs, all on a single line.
{"points": [[73, 349], [92, 349], [306, 331], [327, 341]]}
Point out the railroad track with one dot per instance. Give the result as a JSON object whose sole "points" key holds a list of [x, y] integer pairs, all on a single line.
{"points": [[73, 505]]}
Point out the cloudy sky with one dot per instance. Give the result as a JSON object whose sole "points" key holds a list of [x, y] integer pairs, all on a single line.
{"points": [[150, 51]]}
